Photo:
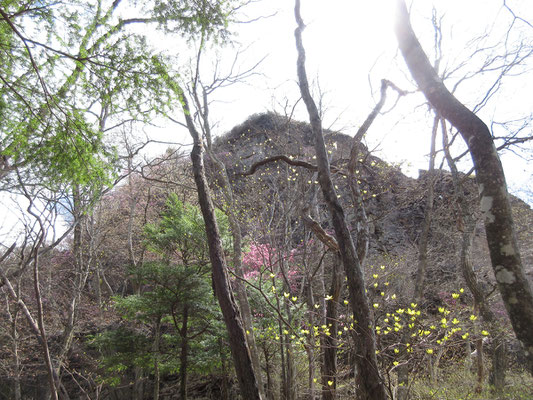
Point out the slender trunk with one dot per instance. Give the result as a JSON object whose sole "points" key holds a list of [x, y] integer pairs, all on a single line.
{"points": [[184, 353], [291, 369], [98, 288], [468, 359], [499, 364], [370, 383], [494, 199], [224, 390], [13, 316], [155, 352], [34, 325], [329, 371], [138, 389], [363, 235], [284, 388], [271, 390], [480, 369], [310, 348], [242, 298], [221, 283], [240, 288], [418, 293], [52, 377], [428, 216]]}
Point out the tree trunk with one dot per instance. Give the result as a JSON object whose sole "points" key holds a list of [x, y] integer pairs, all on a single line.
{"points": [[494, 201], [418, 293], [329, 371], [240, 288], [138, 389], [221, 283], [184, 353], [499, 364], [224, 390], [428, 216], [155, 350], [370, 383], [271, 390], [480, 369], [13, 316]]}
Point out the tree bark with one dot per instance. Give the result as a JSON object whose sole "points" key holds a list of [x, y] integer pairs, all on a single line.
{"points": [[155, 349], [370, 382], [221, 283], [494, 201], [428, 216], [329, 371], [240, 288], [184, 353]]}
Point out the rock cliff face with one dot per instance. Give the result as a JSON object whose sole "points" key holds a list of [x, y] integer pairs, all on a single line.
{"points": [[394, 203]]}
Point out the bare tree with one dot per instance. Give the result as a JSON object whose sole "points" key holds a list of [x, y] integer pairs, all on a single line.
{"points": [[369, 379], [494, 201]]}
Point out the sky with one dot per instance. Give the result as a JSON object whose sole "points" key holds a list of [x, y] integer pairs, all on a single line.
{"points": [[350, 47]]}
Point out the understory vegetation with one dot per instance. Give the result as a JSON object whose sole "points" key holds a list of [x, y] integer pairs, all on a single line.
{"points": [[279, 260]]}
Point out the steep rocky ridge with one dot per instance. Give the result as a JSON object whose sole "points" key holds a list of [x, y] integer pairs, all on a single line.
{"points": [[394, 203]]}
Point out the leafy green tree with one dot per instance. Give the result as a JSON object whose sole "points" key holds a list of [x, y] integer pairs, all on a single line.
{"points": [[176, 297]]}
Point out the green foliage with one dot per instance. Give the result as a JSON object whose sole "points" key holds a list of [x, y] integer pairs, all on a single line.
{"points": [[181, 232], [175, 293], [69, 72], [206, 18], [459, 384]]}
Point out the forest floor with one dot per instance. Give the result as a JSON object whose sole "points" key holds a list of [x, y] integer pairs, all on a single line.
{"points": [[460, 384]]}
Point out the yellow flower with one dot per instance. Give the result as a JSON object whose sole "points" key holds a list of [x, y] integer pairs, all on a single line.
{"points": [[429, 351], [455, 295], [294, 298], [330, 383], [375, 276], [461, 290], [376, 305], [473, 317], [329, 297], [285, 294], [396, 351], [395, 363], [345, 302], [485, 333], [441, 309], [393, 297]]}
